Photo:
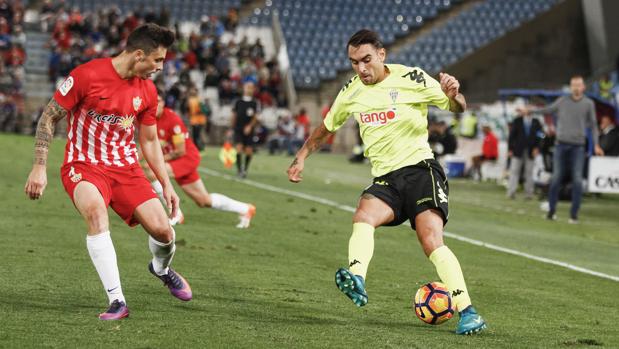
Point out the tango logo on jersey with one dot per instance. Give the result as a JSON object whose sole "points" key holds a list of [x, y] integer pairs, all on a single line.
{"points": [[377, 118], [113, 119]]}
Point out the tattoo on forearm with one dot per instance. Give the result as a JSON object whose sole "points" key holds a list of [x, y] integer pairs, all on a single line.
{"points": [[313, 144], [294, 162], [457, 104], [45, 130]]}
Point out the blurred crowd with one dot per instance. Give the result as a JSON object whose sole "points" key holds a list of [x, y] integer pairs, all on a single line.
{"points": [[12, 60], [205, 68]]}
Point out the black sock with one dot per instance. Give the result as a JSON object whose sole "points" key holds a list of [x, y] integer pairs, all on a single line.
{"points": [[247, 160], [239, 164]]}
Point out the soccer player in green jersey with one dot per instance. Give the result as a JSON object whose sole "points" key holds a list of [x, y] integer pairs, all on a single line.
{"points": [[390, 103]]}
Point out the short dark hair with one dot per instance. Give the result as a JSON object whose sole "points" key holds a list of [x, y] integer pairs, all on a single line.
{"points": [[365, 36], [149, 37], [577, 76]]}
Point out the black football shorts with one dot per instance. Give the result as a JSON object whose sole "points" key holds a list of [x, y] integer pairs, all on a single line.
{"points": [[413, 189]]}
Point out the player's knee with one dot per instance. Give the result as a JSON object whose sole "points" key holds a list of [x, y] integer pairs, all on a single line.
{"points": [[204, 201], [365, 217], [162, 233], [430, 237], [96, 216]]}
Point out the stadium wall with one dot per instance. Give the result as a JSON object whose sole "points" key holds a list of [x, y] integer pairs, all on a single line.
{"points": [[602, 26], [540, 54]]}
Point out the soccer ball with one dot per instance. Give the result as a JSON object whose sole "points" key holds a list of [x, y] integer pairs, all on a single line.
{"points": [[433, 304]]}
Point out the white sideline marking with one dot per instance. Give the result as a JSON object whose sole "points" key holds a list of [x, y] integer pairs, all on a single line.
{"points": [[347, 208]]}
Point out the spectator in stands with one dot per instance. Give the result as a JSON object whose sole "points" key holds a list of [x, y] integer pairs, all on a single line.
{"points": [[489, 151], [523, 146], [441, 139], [283, 137], [609, 136], [605, 85], [468, 125], [303, 124], [18, 37], [197, 119], [574, 114]]}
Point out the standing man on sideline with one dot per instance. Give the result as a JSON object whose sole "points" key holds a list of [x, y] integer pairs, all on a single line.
{"points": [[390, 103], [523, 146], [106, 100], [574, 114], [244, 118]]}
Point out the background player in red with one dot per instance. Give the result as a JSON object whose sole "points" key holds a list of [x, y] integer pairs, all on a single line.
{"points": [[182, 160], [105, 100]]}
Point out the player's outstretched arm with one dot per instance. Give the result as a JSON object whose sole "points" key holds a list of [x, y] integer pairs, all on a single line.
{"points": [[37, 179], [316, 139], [151, 149], [451, 86]]}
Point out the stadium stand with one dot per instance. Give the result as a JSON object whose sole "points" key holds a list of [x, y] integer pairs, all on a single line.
{"points": [[206, 56], [313, 38], [12, 59]]}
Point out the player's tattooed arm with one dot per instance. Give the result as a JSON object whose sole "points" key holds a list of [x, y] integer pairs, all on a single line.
{"points": [[457, 104], [313, 143], [37, 179], [45, 130]]}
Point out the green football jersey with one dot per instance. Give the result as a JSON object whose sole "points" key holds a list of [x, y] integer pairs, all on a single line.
{"points": [[392, 116]]}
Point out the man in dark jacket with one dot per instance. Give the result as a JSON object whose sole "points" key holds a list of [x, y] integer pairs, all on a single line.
{"points": [[609, 136], [523, 147]]}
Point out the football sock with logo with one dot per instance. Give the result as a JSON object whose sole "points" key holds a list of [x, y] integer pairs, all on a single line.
{"points": [[224, 203], [247, 160], [239, 163], [162, 254], [158, 189], [103, 256], [448, 269], [360, 248]]}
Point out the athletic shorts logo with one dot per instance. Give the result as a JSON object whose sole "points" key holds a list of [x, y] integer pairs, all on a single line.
{"points": [[441, 194], [66, 86], [377, 118], [75, 177]]}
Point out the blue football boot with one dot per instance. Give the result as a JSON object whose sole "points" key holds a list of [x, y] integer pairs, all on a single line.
{"points": [[352, 286], [470, 322]]}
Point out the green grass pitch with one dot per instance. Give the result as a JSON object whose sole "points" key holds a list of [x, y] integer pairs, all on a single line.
{"points": [[272, 286]]}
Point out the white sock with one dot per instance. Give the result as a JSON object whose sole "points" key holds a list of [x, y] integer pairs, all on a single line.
{"points": [[103, 256], [162, 254], [158, 189], [224, 203]]}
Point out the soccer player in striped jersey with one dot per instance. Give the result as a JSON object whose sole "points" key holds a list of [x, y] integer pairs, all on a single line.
{"points": [[182, 160], [390, 103], [105, 101]]}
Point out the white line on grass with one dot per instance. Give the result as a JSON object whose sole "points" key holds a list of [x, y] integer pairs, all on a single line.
{"points": [[347, 208]]}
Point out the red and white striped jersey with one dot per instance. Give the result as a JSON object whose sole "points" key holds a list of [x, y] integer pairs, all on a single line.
{"points": [[104, 110]]}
